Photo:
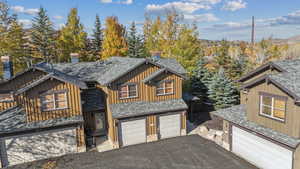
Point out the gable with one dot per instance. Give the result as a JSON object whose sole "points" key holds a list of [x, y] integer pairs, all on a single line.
{"points": [[268, 68], [21, 79]]}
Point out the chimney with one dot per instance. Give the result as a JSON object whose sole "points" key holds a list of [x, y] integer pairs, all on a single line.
{"points": [[155, 55], [74, 57], [7, 67]]}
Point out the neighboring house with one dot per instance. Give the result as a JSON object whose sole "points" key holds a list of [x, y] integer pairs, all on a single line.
{"points": [[265, 128], [48, 110]]}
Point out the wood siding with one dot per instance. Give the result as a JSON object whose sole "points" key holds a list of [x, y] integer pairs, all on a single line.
{"points": [[291, 126], [183, 120], [151, 125], [266, 72], [7, 105], [146, 92], [80, 136], [32, 103], [297, 158]]}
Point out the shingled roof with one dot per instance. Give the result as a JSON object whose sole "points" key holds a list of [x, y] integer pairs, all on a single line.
{"points": [[14, 120], [132, 109], [105, 72], [237, 115]]}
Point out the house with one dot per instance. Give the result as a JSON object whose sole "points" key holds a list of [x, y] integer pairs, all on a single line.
{"points": [[265, 128], [50, 109]]}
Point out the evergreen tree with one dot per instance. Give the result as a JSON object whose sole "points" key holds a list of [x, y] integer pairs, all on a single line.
{"points": [[222, 91], [135, 43], [43, 35], [239, 67], [72, 37], [97, 37], [200, 80], [114, 42]]}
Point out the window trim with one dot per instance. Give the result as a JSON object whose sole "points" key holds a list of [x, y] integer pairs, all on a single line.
{"points": [[273, 97], [164, 88], [42, 101], [128, 97]]}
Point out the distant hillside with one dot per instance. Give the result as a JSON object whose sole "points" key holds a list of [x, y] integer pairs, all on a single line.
{"points": [[291, 40]]}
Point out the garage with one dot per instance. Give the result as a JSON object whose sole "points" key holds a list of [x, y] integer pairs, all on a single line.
{"points": [[169, 126], [38, 146], [133, 132], [259, 151]]}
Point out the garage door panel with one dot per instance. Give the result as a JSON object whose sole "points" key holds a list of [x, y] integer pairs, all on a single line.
{"points": [[41, 146], [169, 125], [133, 132], [259, 151]]}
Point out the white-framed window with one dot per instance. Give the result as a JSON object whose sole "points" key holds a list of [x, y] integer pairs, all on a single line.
{"points": [[128, 91], [54, 101], [6, 97], [273, 106], [165, 88]]}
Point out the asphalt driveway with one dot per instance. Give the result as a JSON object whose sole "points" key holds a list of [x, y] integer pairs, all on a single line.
{"points": [[190, 152]]}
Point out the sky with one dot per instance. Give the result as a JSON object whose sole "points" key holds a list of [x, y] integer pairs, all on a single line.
{"points": [[216, 19]]}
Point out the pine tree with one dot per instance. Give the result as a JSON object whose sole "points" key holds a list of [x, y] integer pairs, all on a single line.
{"points": [[200, 80], [72, 37], [114, 42], [43, 35], [135, 43], [97, 37], [222, 91]]}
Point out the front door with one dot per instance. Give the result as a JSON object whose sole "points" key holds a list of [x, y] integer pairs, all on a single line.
{"points": [[99, 119]]}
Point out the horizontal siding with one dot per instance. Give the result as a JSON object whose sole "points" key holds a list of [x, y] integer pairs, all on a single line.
{"points": [[32, 101]]}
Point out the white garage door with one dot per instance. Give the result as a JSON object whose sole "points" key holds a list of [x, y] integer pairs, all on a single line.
{"points": [[260, 152], [169, 126], [133, 132], [40, 146]]}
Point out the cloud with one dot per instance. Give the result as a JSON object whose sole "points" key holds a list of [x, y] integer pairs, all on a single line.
{"points": [[184, 7], [234, 5], [212, 2], [25, 22], [58, 17], [127, 2], [229, 26], [290, 19], [21, 9], [208, 17], [106, 1]]}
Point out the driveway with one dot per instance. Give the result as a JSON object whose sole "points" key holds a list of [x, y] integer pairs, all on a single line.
{"points": [[190, 152]]}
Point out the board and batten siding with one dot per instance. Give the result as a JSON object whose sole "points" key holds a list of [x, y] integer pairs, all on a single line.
{"points": [[297, 158], [32, 101], [291, 125], [7, 104], [146, 92], [152, 125], [260, 74]]}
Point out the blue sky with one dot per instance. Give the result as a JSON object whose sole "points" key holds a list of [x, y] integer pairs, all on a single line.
{"points": [[216, 19]]}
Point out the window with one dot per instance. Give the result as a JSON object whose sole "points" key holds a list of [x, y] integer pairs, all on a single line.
{"points": [[54, 101], [165, 87], [128, 91], [6, 97], [272, 106]]}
